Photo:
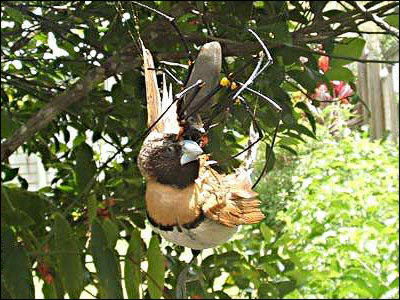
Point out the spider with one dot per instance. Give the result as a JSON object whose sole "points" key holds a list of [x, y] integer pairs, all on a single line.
{"points": [[195, 96]]}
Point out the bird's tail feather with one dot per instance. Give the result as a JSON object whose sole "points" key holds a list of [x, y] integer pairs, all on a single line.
{"points": [[170, 119], [156, 107]]}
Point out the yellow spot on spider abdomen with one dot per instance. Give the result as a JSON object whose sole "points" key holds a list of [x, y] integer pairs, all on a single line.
{"points": [[225, 82]]}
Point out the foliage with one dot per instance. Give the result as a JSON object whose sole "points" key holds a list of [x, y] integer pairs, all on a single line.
{"points": [[335, 234], [343, 220], [57, 51]]}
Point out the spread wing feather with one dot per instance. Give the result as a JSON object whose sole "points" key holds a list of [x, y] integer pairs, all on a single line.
{"points": [[228, 199]]}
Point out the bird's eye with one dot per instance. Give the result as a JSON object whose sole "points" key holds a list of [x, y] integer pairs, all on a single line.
{"points": [[171, 149]]}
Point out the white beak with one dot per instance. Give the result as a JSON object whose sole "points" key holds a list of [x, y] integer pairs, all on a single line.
{"points": [[190, 151]]}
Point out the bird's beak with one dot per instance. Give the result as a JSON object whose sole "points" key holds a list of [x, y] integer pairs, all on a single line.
{"points": [[190, 151]]}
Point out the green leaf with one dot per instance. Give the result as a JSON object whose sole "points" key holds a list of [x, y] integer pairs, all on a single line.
{"points": [[267, 233], [128, 83], [258, 4], [268, 291], [8, 125], [68, 257], [306, 79], [79, 140], [16, 273], [49, 291], [290, 149], [272, 158], [393, 20], [85, 167], [340, 73], [296, 15], [308, 113], [288, 141], [132, 265], [112, 232], [92, 208], [15, 14], [349, 47], [106, 262], [21, 208], [23, 182], [365, 280], [333, 13], [285, 287], [304, 130], [156, 269], [317, 6]]}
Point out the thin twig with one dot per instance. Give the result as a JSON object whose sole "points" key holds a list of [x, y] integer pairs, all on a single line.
{"points": [[376, 19], [344, 57]]}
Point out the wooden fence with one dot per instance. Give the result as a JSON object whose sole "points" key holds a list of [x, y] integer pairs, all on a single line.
{"points": [[376, 88]]}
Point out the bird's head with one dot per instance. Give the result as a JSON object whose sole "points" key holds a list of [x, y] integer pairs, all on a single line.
{"points": [[171, 160]]}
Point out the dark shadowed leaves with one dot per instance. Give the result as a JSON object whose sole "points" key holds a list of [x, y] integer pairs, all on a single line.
{"points": [[106, 262], [16, 273], [68, 257]]}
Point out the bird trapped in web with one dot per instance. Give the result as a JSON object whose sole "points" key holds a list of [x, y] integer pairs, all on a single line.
{"points": [[185, 198], [215, 122], [188, 202]]}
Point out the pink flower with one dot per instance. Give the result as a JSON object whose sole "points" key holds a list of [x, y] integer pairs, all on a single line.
{"points": [[341, 89], [323, 63], [322, 93]]}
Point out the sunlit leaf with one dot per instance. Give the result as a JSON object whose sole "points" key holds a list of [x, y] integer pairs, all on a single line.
{"points": [[155, 273], [132, 265]]}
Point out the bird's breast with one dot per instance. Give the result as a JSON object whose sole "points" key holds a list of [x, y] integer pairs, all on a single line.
{"points": [[169, 206]]}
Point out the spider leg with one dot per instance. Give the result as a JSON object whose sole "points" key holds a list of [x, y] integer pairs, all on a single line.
{"points": [[172, 22], [260, 133], [174, 64], [269, 100], [269, 150], [269, 155], [169, 74], [207, 68], [258, 70], [177, 97]]}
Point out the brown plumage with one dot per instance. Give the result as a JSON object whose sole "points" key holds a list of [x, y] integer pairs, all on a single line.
{"points": [[226, 199], [189, 203]]}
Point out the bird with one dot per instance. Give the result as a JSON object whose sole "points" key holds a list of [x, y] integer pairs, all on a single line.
{"points": [[188, 202]]}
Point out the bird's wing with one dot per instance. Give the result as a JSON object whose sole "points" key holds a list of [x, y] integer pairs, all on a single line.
{"points": [[228, 199]]}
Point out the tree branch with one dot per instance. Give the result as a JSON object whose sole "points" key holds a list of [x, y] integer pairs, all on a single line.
{"points": [[344, 57], [123, 61], [376, 19], [118, 63]]}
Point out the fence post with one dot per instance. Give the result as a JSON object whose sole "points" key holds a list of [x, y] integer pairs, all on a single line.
{"points": [[375, 100]]}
